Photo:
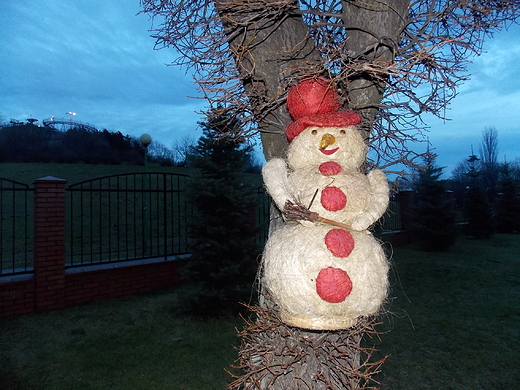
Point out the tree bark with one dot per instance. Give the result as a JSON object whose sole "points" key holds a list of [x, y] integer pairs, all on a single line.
{"points": [[373, 32], [276, 356], [270, 55]]}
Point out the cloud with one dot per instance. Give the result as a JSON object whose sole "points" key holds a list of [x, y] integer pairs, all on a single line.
{"points": [[497, 68], [95, 58], [490, 98]]}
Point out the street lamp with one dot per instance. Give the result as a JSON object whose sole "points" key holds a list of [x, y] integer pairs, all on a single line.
{"points": [[71, 114], [146, 140]]}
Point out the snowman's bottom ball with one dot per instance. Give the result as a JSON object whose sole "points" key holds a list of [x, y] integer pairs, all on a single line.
{"points": [[315, 289], [316, 323]]}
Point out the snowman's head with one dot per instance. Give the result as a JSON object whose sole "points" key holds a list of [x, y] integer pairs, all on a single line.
{"points": [[321, 131], [316, 145]]}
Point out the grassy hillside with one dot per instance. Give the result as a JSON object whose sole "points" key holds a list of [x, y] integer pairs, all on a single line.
{"points": [[73, 173], [27, 173]]}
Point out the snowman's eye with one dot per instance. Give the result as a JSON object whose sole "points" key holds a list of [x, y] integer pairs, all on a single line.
{"points": [[342, 132], [314, 132]]}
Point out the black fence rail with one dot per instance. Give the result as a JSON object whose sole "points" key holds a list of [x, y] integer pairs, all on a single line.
{"points": [[391, 219], [16, 227], [119, 218], [127, 217], [262, 215]]}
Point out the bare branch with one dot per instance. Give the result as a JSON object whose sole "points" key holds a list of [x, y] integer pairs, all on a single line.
{"points": [[407, 59]]}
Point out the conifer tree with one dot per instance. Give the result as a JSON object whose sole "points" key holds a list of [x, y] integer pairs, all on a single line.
{"points": [[221, 269], [433, 218], [508, 204], [477, 208]]}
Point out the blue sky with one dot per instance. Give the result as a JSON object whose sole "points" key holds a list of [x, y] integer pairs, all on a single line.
{"points": [[491, 98], [96, 58]]}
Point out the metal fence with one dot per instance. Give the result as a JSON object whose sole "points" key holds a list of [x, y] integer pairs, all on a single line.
{"points": [[16, 227], [119, 218], [127, 217], [391, 219]]}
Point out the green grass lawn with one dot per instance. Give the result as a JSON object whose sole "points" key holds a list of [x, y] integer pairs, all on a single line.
{"points": [[454, 320], [27, 173], [138, 342], [453, 323]]}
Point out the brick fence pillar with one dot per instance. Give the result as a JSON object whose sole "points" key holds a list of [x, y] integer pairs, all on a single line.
{"points": [[49, 242]]}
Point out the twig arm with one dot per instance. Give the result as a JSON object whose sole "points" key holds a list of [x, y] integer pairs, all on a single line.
{"points": [[297, 212]]}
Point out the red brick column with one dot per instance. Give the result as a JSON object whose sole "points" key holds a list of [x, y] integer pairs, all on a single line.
{"points": [[49, 242]]}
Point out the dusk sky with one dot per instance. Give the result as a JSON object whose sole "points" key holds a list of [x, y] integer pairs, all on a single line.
{"points": [[96, 58]]}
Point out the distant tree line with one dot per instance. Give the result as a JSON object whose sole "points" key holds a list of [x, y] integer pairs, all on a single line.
{"points": [[488, 191], [482, 197], [31, 143], [28, 142]]}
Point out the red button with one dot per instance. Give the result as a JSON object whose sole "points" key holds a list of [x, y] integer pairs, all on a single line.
{"points": [[333, 199], [333, 285], [340, 242], [330, 168]]}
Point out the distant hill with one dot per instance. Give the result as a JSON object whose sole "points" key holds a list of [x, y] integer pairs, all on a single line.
{"points": [[27, 173], [31, 143]]}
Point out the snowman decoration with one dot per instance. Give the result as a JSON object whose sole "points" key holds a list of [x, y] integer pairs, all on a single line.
{"points": [[323, 268]]}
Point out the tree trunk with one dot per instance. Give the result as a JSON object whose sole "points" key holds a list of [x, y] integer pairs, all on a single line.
{"points": [[373, 32], [270, 56], [277, 356]]}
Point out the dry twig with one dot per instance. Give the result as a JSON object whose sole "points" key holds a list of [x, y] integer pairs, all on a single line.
{"points": [[276, 356], [298, 212], [220, 39]]}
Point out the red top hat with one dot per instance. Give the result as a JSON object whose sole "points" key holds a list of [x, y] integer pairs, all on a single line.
{"points": [[313, 102]]}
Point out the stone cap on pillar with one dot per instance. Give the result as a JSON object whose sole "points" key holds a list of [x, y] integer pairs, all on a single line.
{"points": [[50, 178]]}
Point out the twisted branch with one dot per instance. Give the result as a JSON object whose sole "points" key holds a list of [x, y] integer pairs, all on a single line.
{"points": [[298, 212], [330, 355], [434, 46]]}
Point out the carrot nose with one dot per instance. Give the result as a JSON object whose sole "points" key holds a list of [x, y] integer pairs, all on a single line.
{"points": [[326, 140]]}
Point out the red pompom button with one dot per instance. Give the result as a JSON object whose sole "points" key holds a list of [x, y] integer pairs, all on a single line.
{"points": [[330, 168], [339, 242], [333, 285], [333, 199]]}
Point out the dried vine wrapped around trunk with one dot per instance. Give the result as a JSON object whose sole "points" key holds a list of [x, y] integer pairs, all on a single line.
{"points": [[276, 356]]}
